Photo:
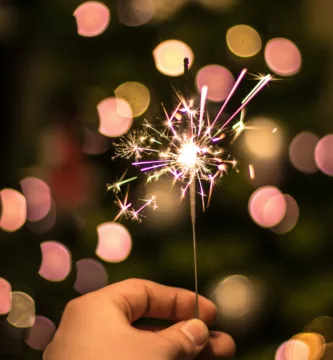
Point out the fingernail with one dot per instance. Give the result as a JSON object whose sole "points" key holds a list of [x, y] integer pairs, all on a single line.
{"points": [[196, 331]]}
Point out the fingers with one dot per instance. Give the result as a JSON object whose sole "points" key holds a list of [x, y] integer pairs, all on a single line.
{"points": [[219, 346], [184, 340], [142, 298]]}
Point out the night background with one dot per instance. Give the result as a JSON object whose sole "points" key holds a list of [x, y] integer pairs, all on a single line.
{"points": [[265, 242]]}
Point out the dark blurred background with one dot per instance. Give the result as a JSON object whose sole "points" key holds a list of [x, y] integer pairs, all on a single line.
{"points": [[264, 257]]}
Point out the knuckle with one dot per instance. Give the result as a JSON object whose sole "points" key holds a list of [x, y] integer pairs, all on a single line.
{"points": [[134, 282], [74, 305]]}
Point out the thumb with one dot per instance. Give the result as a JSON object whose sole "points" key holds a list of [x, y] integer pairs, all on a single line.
{"points": [[186, 339]]}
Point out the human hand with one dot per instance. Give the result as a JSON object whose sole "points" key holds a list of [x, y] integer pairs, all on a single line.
{"points": [[98, 326]]}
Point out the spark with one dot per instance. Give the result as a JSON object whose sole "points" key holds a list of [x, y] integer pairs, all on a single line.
{"points": [[126, 210], [123, 206], [260, 76], [116, 187], [200, 154], [252, 172], [137, 214]]}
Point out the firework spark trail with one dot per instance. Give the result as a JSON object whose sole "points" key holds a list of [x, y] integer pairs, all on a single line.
{"points": [[186, 149], [125, 209], [116, 186]]}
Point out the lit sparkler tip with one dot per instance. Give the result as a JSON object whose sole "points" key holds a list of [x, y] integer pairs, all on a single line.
{"points": [[190, 154]]}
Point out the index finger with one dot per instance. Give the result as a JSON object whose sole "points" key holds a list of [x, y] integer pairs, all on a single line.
{"points": [[142, 298]]}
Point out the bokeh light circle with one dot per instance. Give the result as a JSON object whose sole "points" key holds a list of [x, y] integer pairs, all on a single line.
{"points": [[22, 312], [92, 18], [41, 333], [91, 276], [283, 57], [169, 57], [114, 242], [322, 325], [235, 297], [94, 143], [5, 297], [243, 40], [216, 5], [115, 117], [296, 349], [46, 224], [293, 350], [274, 210], [218, 79], [14, 210], [135, 12], [136, 94], [267, 206], [170, 210], [165, 10], [290, 218], [324, 154], [261, 140], [38, 197], [56, 261], [301, 152], [314, 343]]}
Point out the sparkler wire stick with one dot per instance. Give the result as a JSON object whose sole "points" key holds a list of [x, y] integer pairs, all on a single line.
{"points": [[189, 147], [192, 202]]}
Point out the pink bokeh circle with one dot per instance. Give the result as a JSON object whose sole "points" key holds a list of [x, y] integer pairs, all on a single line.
{"points": [[218, 79], [38, 196], [290, 218], [283, 57], [92, 18], [41, 333], [115, 117], [301, 152], [267, 206], [114, 242], [5, 297], [91, 276], [56, 261], [324, 154], [14, 210]]}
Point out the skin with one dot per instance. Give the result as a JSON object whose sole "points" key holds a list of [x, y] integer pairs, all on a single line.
{"points": [[99, 326]]}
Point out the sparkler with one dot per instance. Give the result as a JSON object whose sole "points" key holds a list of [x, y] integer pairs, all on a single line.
{"points": [[125, 208], [190, 148]]}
